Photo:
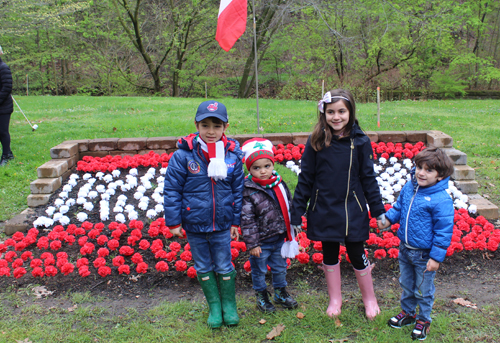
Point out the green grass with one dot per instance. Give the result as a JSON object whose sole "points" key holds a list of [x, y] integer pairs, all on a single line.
{"points": [[473, 124], [184, 321]]}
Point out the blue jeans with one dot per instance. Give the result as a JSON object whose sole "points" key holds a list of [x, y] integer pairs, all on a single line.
{"points": [[211, 251], [271, 255], [417, 282]]}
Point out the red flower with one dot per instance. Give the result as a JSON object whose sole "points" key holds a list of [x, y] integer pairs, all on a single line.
{"points": [[126, 250], [161, 254], [174, 246], [17, 263], [50, 271], [137, 233], [187, 256], [131, 240], [102, 252], [27, 255], [171, 256], [82, 240], [61, 263], [153, 231], [10, 256], [3, 248], [180, 266], [55, 245], [102, 239], [37, 272], [116, 234], [82, 262], [302, 257], [318, 246], [317, 258], [144, 244], [492, 245], [4, 271], [380, 253], [18, 236], [188, 247], [104, 271], [93, 234], [46, 255], [67, 268], [142, 268], [19, 272], [113, 244], [4, 264], [87, 225], [35, 263], [162, 266], [124, 269], [247, 266], [79, 231], [234, 254], [43, 243], [393, 253], [137, 258], [88, 248], [191, 272], [70, 239], [118, 261], [84, 271], [99, 262]]}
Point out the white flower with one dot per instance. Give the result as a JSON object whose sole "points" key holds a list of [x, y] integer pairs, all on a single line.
{"points": [[120, 218], [67, 188], [144, 199], [82, 216], [122, 197], [147, 184], [160, 188], [88, 206], [58, 203], [104, 215], [91, 181], [93, 194], [64, 220], [390, 170], [397, 176], [125, 187], [100, 188], [74, 176], [397, 166], [393, 160], [116, 173], [141, 189], [384, 176], [377, 169], [464, 198], [50, 210], [87, 176], [403, 172], [151, 214], [151, 171], [108, 178], [133, 172], [397, 187], [402, 182], [473, 209], [159, 208], [110, 191], [81, 200], [133, 215], [72, 182], [118, 209], [70, 202], [143, 205], [63, 209], [163, 171], [289, 164], [382, 161], [43, 221], [132, 182], [119, 183], [112, 185], [160, 179], [138, 195], [105, 196]]}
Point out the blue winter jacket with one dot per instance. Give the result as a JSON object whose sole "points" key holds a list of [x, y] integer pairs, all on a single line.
{"points": [[194, 199], [425, 216]]}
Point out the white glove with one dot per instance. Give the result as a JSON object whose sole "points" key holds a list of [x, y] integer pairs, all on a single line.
{"points": [[382, 218]]}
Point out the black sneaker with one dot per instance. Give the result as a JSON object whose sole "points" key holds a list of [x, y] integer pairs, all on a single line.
{"points": [[263, 302], [421, 330], [402, 319], [9, 156], [282, 297]]}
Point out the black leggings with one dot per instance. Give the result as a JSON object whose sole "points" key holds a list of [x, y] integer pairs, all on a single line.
{"points": [[355, 250], [4, 133]]}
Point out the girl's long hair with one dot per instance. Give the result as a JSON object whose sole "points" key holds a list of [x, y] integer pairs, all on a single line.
{"points": [[322, 134]]}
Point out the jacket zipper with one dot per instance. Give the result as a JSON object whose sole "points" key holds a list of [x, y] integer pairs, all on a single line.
{"points": [[315, 199], [408, 215], [361, 207], [213, 193], [347, 194]]}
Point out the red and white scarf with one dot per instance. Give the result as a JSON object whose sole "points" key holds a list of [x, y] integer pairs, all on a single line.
{"points": [[217, 167]]}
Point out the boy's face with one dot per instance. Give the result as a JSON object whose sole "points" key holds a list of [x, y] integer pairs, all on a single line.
{"points": [[262, 169], [426, 176], [210, 131]]}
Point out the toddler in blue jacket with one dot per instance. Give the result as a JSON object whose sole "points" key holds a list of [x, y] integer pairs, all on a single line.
{"points": [[203, 194], [425, 213]]}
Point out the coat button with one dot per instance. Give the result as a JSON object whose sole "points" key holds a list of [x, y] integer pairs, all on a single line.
{"points": [[189, 208]]}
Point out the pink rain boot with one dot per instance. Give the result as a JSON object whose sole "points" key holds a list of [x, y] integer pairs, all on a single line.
{"points": [[365, 283], [332, 275]]}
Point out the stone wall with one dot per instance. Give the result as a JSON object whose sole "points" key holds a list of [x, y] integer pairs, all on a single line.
{"points": [[65, 156]]}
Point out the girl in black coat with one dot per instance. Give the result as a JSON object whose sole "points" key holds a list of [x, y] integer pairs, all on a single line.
{"points": [[338, 181], [6, 109]]}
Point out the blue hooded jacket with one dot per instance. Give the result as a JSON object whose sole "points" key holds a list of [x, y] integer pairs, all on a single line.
{"points": [[194, 199], [425, 216]]}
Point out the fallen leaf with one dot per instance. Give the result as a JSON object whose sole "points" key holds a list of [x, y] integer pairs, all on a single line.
{"points": [[24, 341], [262, 321], [40, 291], [338, 323], [300, 315], [492, 185], [463, 302], [342, 340], [72, 308], [276, 331]]}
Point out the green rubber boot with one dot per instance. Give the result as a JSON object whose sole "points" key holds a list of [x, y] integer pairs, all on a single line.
{"points": [[228, 298], [208, 284]]}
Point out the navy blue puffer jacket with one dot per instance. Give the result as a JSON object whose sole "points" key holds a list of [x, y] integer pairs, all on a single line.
{"points": [[6, 104], [425, 216], [194, 199]]}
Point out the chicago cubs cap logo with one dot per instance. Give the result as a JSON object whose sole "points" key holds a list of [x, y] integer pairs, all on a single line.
{"points": [[213, 107], [194, 167]]}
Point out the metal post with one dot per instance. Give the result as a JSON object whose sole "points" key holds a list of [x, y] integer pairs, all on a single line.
{"points": [[256, 68], [378, 107]]}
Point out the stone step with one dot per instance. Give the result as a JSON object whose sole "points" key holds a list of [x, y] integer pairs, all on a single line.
{"points": [[467, 187], [458, 157], [485, 207], [19, 222], [463, 173]]}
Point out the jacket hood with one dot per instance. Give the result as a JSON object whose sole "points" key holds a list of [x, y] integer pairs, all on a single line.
{"points": [[438, 187]]}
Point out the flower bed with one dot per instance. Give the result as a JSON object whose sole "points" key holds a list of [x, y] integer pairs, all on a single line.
{"points": [[96, 223]]}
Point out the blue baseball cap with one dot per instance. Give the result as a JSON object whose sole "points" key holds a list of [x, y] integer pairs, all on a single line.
{"points": [[211, 108]]}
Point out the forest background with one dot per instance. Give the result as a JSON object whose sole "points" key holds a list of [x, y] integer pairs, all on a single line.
{"points": [[168, 48]]}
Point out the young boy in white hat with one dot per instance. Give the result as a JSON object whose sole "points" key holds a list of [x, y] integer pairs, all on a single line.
{"points": [[265, 223]]}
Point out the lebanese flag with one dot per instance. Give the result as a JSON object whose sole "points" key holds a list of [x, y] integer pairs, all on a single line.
{"points": [[232, 22]]}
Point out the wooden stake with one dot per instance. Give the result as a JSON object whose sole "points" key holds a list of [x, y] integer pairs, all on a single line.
{"points": [[378, 107]]}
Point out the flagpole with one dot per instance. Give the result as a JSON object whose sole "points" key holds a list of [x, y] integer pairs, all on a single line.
{"points": [[256, 69]]}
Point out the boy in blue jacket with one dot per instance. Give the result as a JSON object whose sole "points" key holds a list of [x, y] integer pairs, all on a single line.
{"points": [[425, 213], [203, 194]]}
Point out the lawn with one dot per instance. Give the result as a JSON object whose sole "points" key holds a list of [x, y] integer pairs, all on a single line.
{"points": [[473, 124]]}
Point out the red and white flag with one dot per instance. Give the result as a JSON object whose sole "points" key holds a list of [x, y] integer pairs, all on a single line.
{"points": [[231, 23]]}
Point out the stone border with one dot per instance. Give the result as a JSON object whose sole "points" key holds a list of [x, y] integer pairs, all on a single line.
{"points": [[65, 156]]}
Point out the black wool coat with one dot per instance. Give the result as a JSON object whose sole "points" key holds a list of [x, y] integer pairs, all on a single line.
{"points": [[334, 186], [6, 104]]}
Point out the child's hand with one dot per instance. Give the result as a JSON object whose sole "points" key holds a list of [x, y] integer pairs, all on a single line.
{"points": [[297, 229], [234, 232], [432, 265], [256, 251], [383, 222], [177, 231]]}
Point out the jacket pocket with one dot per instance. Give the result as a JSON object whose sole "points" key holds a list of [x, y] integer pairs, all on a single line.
{"points": [[357, 200]]}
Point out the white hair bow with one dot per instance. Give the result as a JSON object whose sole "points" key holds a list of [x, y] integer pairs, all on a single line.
{"points": [[327, 99]]}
